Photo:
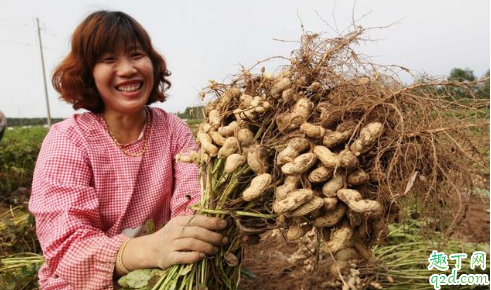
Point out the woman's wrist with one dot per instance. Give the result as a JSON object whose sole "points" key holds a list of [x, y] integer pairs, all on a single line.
{"points": [[120, 268], [138, 253]]}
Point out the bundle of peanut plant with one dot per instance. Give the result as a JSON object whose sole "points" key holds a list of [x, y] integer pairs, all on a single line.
{"points": [[330, 141]]}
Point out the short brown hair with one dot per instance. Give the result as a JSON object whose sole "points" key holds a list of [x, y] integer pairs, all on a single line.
{"points": [[100, 32]]}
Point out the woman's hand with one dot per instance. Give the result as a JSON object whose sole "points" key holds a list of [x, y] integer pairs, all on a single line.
{"points": [[187, 239], [183, 240]]}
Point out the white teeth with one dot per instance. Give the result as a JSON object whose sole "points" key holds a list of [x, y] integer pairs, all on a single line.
{"points": [[129, 88]]}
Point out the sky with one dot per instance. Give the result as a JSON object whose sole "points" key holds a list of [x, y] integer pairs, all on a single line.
{"points": [[212, 39]]}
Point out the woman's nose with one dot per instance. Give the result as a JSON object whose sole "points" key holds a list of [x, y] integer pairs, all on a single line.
{"points": [[125, 67]]}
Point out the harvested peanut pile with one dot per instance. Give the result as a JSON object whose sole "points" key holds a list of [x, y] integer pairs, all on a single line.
{"points": [[333, 143]]}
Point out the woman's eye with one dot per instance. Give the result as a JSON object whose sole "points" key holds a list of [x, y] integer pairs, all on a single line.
{"points": [[108, 59], [137, 55]]}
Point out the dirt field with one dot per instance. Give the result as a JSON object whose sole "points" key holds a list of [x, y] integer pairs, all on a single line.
{"points": [[270, 260]]}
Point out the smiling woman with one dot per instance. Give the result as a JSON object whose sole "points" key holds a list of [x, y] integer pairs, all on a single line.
{"points": [[101, 176], [96, 41], [124, 80]]}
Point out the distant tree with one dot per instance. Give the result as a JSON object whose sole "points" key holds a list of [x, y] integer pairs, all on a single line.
{"points": [[3, 124], [481, 89], [192, 113], [461, 75], [484, 89]]}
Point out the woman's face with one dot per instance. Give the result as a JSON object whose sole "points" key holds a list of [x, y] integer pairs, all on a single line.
{"points": [[124, 79]]}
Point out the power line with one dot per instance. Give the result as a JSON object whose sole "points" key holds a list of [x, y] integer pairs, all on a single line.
{"points": [[16, 42], [23, 43], [24, 27], [15, 23], [16, 27]]}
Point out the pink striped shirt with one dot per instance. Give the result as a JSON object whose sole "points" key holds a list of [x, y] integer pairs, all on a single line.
{"points": [[86, 191]]}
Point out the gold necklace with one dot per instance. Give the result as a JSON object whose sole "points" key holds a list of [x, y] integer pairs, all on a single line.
{"points": [[146, 135]]}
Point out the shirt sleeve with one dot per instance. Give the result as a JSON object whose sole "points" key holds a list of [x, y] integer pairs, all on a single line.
{"points": [[66, 208], [187, 190]]}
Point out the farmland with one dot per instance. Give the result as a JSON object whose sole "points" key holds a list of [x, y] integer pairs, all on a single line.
{"points": [[273, 263]]}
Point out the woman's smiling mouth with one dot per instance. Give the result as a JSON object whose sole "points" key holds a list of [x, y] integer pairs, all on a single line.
{"points": [[129, 87]]}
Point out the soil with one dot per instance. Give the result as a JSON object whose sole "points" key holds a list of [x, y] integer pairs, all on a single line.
{"points": [[275, 268], [475, 227], [277, 265]]}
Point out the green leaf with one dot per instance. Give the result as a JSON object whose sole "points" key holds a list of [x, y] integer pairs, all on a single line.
{"points": [[122, 282], [138, 278], [186, 269]]}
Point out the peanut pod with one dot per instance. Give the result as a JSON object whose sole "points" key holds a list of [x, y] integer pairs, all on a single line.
{"points": [[245, 101], [355, 202], [290, 184], [217, 138], [287, 95], [204, 127], [368, 136], [280, 86], [306, 208], [347, 159], [341, 135], [294, 147], [233, 162], [312, 131], [230, 146], [347, 254], [215, 118], [315, 87], [320, 174], [328, 158], [229, 95], [244, 114], [245, 137], [229, 130], [331, 187], [294, 200], [329, 203], [331, 218], [295, 232], [357, 177], [299, 114], [338, 240], [192, 157], [300, 164], [205, 140], [256, 101], [257, 187]]}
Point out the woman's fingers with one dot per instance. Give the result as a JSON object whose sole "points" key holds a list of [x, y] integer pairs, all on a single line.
{"points": [[194, 245], [184, 258], [188, 239], [210, 223], [203, 234]]}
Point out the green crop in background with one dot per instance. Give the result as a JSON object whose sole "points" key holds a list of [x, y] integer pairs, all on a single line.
{"points": [[19, 148]]}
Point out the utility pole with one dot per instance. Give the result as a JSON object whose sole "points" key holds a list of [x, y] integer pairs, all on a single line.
{"points": [[44, 73]]}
